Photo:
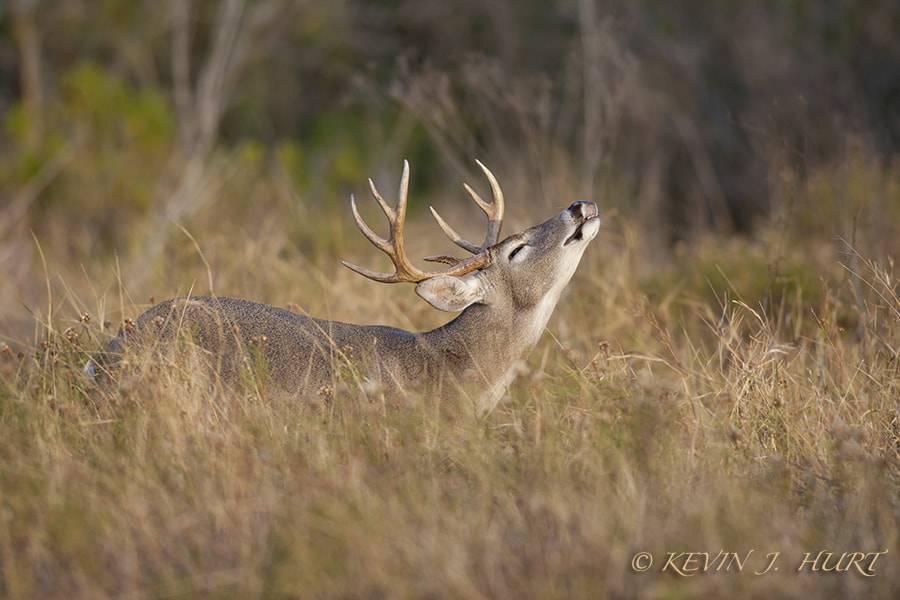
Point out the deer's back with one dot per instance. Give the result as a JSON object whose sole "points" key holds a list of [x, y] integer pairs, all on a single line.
{"points": [[298, 354]]}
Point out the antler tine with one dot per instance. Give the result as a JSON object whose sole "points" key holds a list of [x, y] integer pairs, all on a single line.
{"points": [[498, 206], [379, 242], [373, 237], [399, 223], [455, 237], [394, 246], [385, 208], [494, 211]]}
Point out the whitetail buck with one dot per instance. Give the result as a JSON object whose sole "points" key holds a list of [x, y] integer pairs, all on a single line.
{"points": [[506, 291]]}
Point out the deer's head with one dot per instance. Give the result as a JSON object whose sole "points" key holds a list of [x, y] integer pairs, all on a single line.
{"points": [[525, 272]]}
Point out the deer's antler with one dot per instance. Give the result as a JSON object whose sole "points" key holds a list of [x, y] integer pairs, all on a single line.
{"points": [[393, 245], [494, 212]]}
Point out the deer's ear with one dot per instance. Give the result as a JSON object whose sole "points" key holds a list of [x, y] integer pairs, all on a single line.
{"points": [[449, 293]]}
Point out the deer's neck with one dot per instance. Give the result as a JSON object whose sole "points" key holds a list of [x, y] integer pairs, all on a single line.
{"points": [[482, 347], [475, 337]]}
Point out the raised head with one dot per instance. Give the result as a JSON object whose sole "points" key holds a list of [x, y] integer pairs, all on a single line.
{"points": [[526, 271]]}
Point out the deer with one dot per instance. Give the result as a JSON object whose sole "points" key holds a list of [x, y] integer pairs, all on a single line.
{"points": [[504, 293]]}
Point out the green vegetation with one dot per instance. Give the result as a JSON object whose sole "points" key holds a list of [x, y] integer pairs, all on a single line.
{"points": [[722, 375]]}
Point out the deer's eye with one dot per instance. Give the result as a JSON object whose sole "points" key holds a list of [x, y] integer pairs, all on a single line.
{"points": [[516, 250]]}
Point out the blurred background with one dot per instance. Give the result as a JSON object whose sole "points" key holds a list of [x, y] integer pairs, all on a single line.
{"points": [[124, 121]]}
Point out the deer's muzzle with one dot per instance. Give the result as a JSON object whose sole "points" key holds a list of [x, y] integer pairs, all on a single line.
{"points": [[583, 211]]}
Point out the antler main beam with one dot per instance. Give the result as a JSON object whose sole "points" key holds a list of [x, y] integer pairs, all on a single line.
{"points": [[394, 246]]}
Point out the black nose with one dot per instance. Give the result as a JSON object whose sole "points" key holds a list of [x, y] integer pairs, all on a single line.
{"points": [[584, 209]]}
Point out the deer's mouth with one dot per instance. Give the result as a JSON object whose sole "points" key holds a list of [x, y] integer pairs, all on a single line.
{"points": [[587, 212]]}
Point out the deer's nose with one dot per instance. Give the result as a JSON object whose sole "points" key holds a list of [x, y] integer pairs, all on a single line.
{"points": [[584, 209]]}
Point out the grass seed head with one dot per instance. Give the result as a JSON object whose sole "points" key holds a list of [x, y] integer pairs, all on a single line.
{"points": [[126, 325]]}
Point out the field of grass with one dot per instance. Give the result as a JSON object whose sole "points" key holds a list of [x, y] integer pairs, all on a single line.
{"points": [[722, 421]]}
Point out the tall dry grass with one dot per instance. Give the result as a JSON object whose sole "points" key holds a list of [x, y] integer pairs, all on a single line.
{"points": [[741, 399]]}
